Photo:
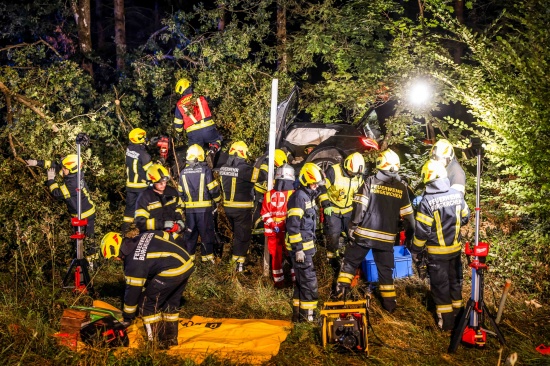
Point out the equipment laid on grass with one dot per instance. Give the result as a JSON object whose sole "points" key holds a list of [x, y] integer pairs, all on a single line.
{"points": [[79, 264], [469, 328], [402, 264], [345, 324]]}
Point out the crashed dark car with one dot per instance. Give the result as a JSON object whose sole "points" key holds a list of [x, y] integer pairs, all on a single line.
{"points": [[321, 143]]}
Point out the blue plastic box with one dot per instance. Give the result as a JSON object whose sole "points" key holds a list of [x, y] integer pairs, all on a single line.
{"points": [[402, 264]]}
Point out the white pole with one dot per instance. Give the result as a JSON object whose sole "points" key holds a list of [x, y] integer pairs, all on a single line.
{"points": [[271, 156]]}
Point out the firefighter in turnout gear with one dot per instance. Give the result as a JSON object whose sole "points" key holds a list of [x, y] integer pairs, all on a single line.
{"points": [[238, 179], [443, 152], [156, 271], [138, 161], [159, 206], [200, 192], [68, 191], [273, 214], [342, 182], [377, 208], [439, 217], [193, 115], [260, 188], [300, 242]]}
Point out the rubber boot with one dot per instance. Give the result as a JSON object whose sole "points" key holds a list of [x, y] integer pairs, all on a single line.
{"points": [[152, 332], [307, 315], [295, 314], [169, 335]]}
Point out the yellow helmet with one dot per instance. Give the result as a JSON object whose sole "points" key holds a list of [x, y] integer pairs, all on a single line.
{"points": [[280, 157], [239, 148], [182, 84], [311, 173], [195, 152], [137, 136], [355, 163], [442, 151], [157, 173], [70, 163], [110, 245], [433, 170], [388, 160]]}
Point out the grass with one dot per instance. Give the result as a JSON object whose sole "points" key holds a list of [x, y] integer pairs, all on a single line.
{"points": [[30, 309]]}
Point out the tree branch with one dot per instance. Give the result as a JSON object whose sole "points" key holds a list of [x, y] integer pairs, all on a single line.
{"points": [[24, 44], [31, 104]]}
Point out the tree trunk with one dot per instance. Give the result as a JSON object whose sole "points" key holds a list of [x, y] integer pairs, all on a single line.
{"points": [[120, 34], [281, 35], [459, 49], [81, 11], [221, 21], [99, 24]]}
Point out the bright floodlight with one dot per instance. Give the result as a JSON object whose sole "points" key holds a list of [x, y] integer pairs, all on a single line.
{"points": [[420, 93]]}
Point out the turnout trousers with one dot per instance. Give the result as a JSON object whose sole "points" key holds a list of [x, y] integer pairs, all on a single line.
{"points": [[130, 210], [159, 305], [334, 225], [305, 296], [384, 260], [446, 289], [204, 137], [240, 220], [200, 223]]}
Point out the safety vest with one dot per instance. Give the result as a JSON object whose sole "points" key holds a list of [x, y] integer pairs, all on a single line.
{"points": [[195, 115], [274, 210], [341, 191]]}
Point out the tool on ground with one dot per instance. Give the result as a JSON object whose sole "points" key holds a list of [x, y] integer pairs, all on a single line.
{"points": [[507, 286], [543, 350], [470, 330], [345, 324], [79, 264]]}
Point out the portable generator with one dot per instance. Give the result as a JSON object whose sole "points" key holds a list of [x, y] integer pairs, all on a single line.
{"points": [[345, 325]]}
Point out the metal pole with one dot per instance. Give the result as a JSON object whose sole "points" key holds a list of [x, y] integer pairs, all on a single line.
{"points": [[271, 156], [79, 247], [474, 319]]}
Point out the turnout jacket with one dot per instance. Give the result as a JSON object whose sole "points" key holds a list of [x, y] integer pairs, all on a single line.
{"points": [[238, 179], [192, 113], [301, 220], [68, 191], [138, 161], [152, 209], [198, 188], [339, 189], [456, 176], [439, 217], [149, 255], [377, 207]]}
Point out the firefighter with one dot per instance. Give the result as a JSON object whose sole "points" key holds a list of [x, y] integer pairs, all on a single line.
{"points": [[68, 191], [138, 161], [156, 271], [342, 182], [159, 207], [439, 217], [238, 178], [200, 193], [300, 241], [443, 152], [260, 188], [273, 214], [377, 208], [193, 115]]}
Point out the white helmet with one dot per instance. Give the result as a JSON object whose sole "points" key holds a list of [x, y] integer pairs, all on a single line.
{"points": [[285, 172]]}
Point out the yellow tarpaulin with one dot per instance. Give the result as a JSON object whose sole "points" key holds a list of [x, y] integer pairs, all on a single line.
{"points": [[251, 341], [239, 340]]}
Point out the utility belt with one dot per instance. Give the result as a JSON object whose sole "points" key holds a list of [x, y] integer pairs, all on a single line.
{"points": [[199, 125]]}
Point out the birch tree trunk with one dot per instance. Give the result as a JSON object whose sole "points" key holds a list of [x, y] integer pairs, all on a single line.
{"points": [[81, 12]]}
